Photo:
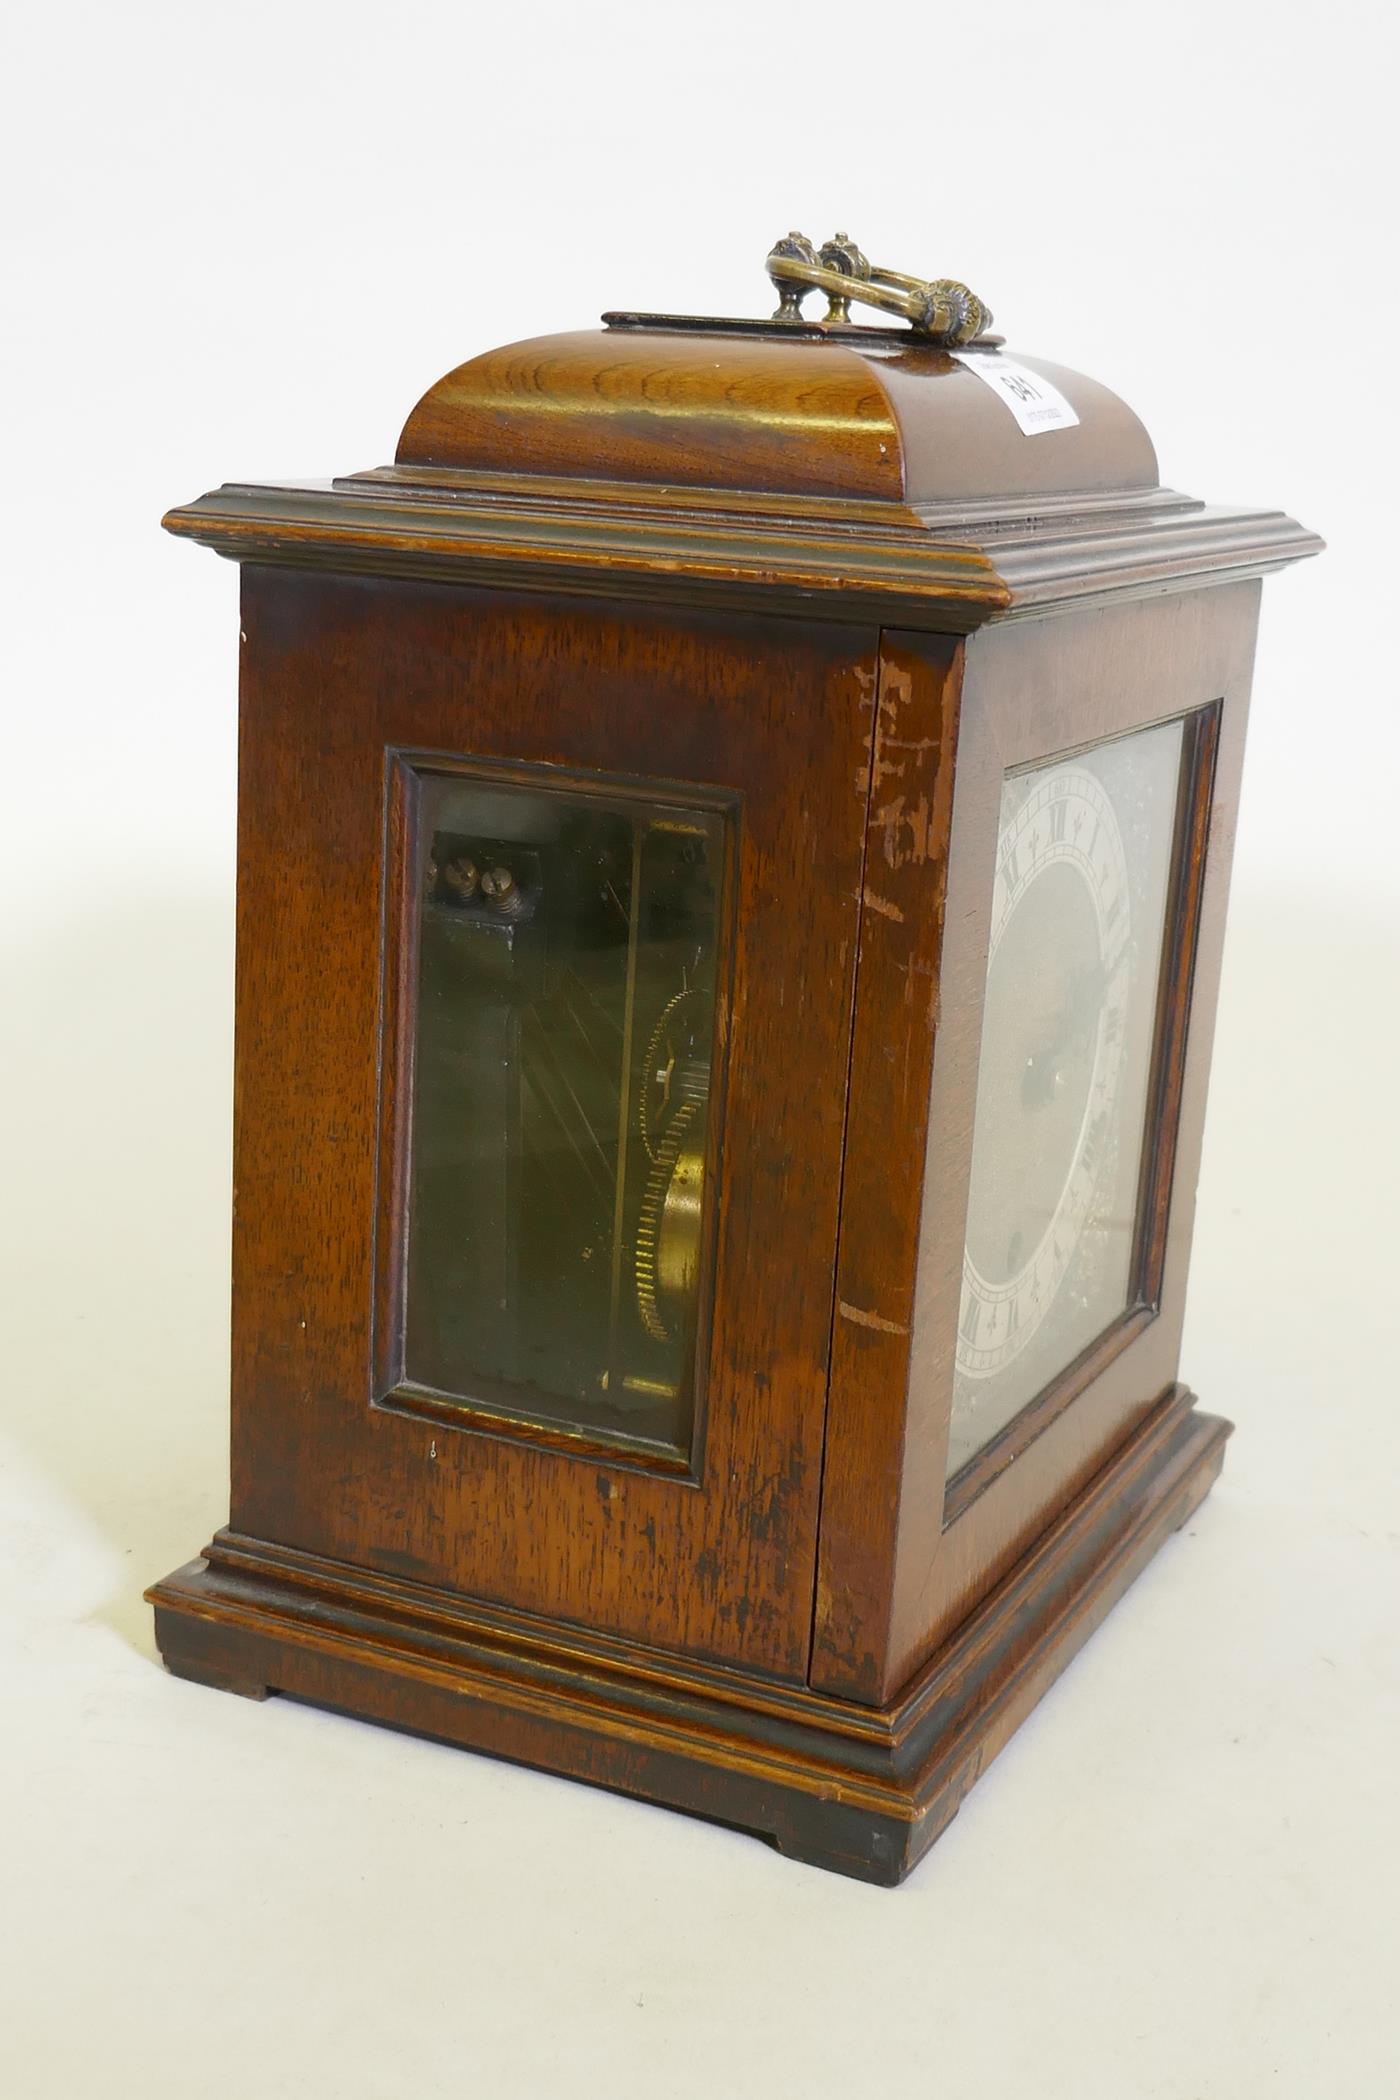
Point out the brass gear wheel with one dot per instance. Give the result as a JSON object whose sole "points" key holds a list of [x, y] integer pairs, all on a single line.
{"points": [[667, 1256], [669, 1078]]}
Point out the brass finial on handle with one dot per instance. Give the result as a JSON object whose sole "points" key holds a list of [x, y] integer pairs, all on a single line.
{"points": [[797, 250], [940, 309]]}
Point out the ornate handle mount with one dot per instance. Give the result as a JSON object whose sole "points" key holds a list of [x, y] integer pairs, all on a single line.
{"points": [[941, 310]]}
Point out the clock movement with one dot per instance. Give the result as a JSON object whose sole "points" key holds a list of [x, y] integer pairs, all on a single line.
{"points": [[734, 832]]}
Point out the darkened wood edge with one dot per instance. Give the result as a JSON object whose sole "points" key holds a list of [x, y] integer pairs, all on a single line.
{"points": [[951, 569], [864, 1790], [695, 559], [1177, 553], [208, 1671], [618, 1449]]}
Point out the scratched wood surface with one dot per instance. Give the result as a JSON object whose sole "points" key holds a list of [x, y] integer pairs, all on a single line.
{"points": [[899, 1567], [765, 568], [334, 673], [896, 1017]]}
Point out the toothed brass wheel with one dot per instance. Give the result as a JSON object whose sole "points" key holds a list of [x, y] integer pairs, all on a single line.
{"points": [[672, 1073], [667, 1257]]}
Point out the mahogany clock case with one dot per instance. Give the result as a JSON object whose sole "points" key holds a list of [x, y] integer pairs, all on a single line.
{"points": [[776, 1610]]}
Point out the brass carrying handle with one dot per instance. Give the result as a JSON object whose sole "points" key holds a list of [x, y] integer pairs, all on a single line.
{"points": [[941, 309]]}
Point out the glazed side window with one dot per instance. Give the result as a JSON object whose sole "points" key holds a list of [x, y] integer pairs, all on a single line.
{"points": [[557, 1165]]}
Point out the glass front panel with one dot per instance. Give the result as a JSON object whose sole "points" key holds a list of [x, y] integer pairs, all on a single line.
{"points": [[1084, 861], [558, 1181]]}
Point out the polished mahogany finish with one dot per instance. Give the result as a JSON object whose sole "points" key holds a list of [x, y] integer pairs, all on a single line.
{"points": [[869, 414], [718, 1561], [800, 584]]}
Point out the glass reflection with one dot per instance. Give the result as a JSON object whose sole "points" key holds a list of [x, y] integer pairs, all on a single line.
{"points": [[561, 1099], [1079, 907]]}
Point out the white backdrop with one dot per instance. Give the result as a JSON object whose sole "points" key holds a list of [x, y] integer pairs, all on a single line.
{"points": [[239, 243]]}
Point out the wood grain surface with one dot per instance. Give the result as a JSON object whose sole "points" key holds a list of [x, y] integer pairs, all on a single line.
{"points": [[877, 417], [336, 674], [814, 580], [859, 1790]]}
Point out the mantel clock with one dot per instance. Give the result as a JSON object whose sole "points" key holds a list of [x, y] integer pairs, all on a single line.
{"points": [[734, 833]]}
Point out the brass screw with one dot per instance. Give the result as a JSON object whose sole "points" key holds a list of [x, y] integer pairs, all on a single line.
{"points": [[462, 877], [502, 892]]}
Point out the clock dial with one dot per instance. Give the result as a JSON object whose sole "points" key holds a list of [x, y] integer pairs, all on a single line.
{"points": [[1078, 911]]}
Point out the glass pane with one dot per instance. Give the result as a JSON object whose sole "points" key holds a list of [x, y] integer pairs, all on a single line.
{"points": [[557, 1172], [1069, 1030]]}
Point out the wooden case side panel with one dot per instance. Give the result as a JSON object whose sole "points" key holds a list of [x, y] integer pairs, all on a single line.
{"points": [[337, 674], [896, 1018], [1031, 691]]}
